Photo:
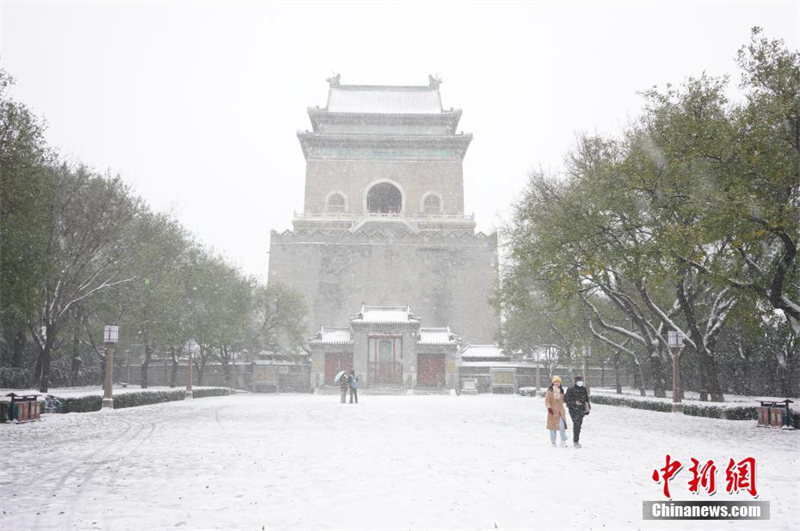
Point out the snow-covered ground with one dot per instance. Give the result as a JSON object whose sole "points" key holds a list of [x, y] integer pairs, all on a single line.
{"points": [[391, 462]]}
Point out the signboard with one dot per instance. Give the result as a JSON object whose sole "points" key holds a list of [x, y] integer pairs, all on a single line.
{"points": [[503, 377], [265, 375]]}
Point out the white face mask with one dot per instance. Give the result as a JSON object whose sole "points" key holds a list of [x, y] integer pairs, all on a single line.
{"points": [[579, 384]]}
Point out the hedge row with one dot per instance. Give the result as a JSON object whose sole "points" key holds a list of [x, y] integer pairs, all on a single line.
{"points": [[653, 405], [696, 410], [141, 398]]}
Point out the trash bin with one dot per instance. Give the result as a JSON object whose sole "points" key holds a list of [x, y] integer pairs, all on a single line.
{"points": [[775, 414], [23, 408]]}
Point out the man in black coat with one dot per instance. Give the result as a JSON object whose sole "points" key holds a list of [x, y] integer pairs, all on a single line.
{"points": [[577, 400]]}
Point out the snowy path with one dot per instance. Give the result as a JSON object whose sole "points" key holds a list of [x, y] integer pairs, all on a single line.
{"points": [[392, 462]]}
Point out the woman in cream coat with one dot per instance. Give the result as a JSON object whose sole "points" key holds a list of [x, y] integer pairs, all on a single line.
{"points": [[556, 415]]}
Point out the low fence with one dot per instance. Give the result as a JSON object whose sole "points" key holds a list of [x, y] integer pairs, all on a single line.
{"points": [[290, 377]]}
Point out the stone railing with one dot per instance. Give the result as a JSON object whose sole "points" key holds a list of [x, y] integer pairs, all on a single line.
{"points": [[417, 216]]}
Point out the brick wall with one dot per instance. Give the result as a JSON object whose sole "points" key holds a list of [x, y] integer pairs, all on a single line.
{"points": [[446, 279]]}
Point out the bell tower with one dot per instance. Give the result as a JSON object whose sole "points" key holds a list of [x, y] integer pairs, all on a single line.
{"points": [[383, 218]]}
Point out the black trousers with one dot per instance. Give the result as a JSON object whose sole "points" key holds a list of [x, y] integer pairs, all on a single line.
{"points": [[577, 420], [353, 394]]}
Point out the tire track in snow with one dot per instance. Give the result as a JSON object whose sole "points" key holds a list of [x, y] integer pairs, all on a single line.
{"points": [[57, 488], [113, 455]]}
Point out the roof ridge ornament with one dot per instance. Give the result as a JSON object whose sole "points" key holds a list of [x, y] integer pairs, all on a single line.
{"points": [[334, 80], [434, 81]]}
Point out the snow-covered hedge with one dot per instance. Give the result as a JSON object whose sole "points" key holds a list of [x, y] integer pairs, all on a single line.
{"points": [[140, 398], [729, 411], [717, 412], [653, 405]]}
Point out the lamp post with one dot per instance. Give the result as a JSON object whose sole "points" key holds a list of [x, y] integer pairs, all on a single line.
{"points": [[586, 353], [110, 338], [675, 340]]}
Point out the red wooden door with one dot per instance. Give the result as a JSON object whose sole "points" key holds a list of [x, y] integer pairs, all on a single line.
{"points": [[430, 370], [335, 362], [384, 362]]}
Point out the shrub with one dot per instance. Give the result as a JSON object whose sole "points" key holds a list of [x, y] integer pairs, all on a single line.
{"points": [[212, 391], [140, 398], [611, 400], [143, 398], [709, 410], [81, 404]]}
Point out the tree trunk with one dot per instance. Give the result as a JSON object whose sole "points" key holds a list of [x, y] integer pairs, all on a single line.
{"points": [[173, 378], [638, 379], [201, 367], [37, 367], [75, 363], [44, 376], [18, 346], [225, 358], [782, 371], [708, 373], [44, 379], [659, 379], [148, 354], [616, 373]]}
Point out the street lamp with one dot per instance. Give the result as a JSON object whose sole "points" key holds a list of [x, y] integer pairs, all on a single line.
{"points": [[586, 353], [675, 341], [110, 338]]}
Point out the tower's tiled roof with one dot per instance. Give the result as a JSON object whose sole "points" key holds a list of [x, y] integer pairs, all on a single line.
{"points": [[384, 99], [437, 336], [483, 352], [332, 336], [385, 315]]}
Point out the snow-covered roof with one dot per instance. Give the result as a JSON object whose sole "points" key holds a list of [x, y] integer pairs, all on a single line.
{"points": [[384, 99], [485, 352], [437, 336], [332, 336], [385, 315]]}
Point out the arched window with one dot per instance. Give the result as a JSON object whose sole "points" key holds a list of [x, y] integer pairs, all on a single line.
{"points": [[432, 204], [384, 198], [336, 203]]}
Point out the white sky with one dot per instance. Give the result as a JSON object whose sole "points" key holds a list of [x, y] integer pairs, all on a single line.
{"points": [[197, 104]]}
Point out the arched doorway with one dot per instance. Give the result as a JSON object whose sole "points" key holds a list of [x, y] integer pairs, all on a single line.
{"points": [[384, 198]]}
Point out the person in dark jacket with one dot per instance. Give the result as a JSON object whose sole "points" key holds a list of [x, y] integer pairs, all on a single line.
{"points": [[353, 386], [344, 385], [577, 400]]}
